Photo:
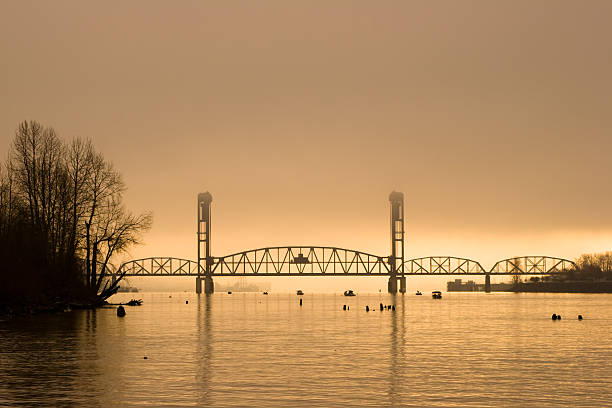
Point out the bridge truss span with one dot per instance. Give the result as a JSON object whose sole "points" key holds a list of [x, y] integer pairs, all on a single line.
{"points": [[159, 266], [532, 265], [442, 265], [301, 260], [332, 261]]}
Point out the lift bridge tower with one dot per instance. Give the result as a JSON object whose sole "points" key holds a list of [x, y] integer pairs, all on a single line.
{"points": [[205, 260], [396, 260]]}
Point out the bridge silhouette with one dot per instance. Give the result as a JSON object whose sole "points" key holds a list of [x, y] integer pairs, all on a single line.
{"points": [[308, 260]]}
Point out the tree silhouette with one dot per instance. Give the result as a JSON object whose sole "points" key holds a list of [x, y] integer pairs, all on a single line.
{"points": [[62, 219]]}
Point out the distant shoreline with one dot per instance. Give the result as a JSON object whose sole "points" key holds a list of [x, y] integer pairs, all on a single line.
{"points": [[563, 287]]}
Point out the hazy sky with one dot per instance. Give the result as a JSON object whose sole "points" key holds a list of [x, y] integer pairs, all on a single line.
{"points": [[493, 117]]}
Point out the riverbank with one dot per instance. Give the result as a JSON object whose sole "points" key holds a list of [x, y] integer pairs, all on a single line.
{"points": [[564, 287], [34, 308]]}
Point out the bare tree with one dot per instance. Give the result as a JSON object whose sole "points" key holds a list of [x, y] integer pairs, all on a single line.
{"points": [[5, 200], [24, 161], [109, 228], [103, 186], [71, 200], [40, 176], [516, 270], [117, 230], [79, 163]]}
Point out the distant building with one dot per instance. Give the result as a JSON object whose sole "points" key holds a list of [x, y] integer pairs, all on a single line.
{"points": [[127, 289], [470, 286], [242, 286]]}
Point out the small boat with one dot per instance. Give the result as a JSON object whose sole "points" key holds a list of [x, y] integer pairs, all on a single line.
{"points": [[349, 293], [299, 292], [265, 293], [418, 293], [229, 292], [436, 294]]}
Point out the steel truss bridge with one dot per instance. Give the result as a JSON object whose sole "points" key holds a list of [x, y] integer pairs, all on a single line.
{"points": [[328, 261], [331, 261]]}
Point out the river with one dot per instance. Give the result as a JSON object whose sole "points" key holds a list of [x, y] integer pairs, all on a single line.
{"points": [[255, 350]]}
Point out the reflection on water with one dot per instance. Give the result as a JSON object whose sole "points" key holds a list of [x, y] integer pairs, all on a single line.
{"points": [[255, 350], [205, 343], [396, 351]]}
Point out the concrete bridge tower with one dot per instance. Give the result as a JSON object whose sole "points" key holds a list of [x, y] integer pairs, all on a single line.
{"points": [[396, 260], [204, 258]]}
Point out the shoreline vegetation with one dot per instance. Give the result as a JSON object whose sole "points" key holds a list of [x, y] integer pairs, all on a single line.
{"points": [[62, 222], [563, 287], [593, 274]]}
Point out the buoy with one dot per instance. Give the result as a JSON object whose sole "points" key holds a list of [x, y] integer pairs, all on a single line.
{"points": [[186, 302], [558, 317], [579, 317], [300, 302], [120, 311], [344, 307], [367, 308], [554, 316]]}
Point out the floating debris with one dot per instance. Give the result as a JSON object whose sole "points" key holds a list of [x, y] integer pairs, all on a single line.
{"points": [[120, 311]]}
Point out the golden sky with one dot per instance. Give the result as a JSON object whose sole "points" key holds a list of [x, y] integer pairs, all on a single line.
{"points": [[493, 117]]}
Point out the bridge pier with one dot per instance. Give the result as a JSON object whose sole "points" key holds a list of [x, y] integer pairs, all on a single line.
{"points": [[209, 285], [402, 281], [392, 284], [488, 283]]}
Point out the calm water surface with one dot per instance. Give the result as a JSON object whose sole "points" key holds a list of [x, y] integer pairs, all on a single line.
{"points": [[260, 351]]}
